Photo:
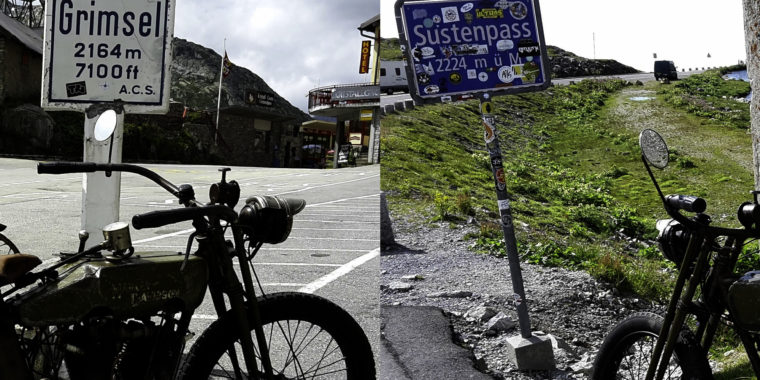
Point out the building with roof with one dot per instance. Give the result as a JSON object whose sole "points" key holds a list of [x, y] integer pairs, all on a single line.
{"points": [[20, 62], [354, 108]]}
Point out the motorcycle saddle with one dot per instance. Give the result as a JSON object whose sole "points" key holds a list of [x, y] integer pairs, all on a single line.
{"points": [[12, 267]]}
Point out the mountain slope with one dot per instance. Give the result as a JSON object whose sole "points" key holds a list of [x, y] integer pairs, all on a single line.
{"points": [[195, 82]]}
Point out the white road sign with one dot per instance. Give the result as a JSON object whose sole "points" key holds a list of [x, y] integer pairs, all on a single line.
{"points": [[101, 51]]}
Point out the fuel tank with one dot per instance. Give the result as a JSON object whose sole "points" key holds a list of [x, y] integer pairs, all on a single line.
{"points": [[743, 298], [134, 288]]}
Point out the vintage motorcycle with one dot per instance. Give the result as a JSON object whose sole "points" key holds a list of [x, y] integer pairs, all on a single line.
{"points": [[707, 292], [109, 312]]}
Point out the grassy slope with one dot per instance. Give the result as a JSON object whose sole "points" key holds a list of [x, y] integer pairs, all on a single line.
{"points": [[580, 195]]}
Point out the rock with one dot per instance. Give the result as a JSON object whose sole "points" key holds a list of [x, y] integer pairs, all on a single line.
{"points": [[413, 277], [450, 294], [584, 366], [480, 313], [500, 323], [399, 286]]}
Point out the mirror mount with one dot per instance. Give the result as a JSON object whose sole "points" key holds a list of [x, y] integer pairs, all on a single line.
{"points": [[654, 151], [105, 125]]}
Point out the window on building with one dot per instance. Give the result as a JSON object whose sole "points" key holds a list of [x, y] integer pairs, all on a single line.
{"points": [[398, 71], [382, 72]]}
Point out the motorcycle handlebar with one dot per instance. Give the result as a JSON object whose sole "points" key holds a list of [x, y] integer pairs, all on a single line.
{"points": [[65, 167], [161, 218], [688, 203]]}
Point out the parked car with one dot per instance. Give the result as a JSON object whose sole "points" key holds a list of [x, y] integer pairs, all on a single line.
{"points": [[665, 70]]}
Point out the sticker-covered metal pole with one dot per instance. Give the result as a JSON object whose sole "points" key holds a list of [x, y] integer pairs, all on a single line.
{"points": [[492, 144]]}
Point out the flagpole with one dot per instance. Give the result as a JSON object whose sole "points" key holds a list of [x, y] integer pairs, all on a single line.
{"points": [[219, 97]]}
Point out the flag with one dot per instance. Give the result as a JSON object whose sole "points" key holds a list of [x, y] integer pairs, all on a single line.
{"points": [[226, 64]]}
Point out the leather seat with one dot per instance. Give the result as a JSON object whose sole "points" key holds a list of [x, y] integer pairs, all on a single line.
{"points": [[12, 267]]}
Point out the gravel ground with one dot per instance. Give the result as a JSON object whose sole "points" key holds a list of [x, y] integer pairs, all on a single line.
{"points": [[432, 266]]}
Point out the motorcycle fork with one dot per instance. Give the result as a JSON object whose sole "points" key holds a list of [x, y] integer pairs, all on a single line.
{"points": [[677, 308], [222, 279], [253, 302]]}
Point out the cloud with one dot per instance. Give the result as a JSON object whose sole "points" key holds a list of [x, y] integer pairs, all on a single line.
{"points": [[293, 46]]}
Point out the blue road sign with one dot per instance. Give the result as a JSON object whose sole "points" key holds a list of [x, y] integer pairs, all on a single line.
{"points": [[456, 49]]}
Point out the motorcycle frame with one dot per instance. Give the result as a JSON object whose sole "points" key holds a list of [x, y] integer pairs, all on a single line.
{"points": [[708, 310], [213, 248]]}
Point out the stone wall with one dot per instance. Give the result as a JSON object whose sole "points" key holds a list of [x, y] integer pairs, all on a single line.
{"points": [[241, 144]]}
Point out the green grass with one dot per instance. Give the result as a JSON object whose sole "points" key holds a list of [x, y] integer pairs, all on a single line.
{"points": [[579, 193], [390, 50]]}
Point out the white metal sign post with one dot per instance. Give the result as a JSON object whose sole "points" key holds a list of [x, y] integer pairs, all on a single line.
{"points": [[106, 54]]}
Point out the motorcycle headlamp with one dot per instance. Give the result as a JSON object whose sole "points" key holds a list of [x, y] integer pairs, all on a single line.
{"points": [[672, 239], [269, 219]]}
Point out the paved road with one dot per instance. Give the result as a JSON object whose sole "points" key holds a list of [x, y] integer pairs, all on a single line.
{"points": [[644, 77], [333, 250]]}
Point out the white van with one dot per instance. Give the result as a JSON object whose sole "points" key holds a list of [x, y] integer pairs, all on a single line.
{"points": [[393, 77]]}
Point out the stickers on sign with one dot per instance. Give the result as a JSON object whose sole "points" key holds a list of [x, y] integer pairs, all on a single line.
{"points": [[76, 89], [423, 78], [503, 45], [506, 75], [455, 78], [530, 70], [486, 108], [437, 19], [432, 89], [501, 4], [504, 204], [468, 17], [489, 13], [419, 13], [483, 76], [427, 52], [466, 8], [428, 68], [518, 10], [450, 14], [528, 48], [470, 49], [472, 73], [446, 99], [428, 22]]}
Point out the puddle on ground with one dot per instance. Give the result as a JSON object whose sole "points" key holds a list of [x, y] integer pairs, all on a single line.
{"points": [[640, 98]]}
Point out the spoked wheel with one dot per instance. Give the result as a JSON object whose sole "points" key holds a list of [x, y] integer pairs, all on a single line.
{"points": [[308, 337], [6, 246], [627, 350]]}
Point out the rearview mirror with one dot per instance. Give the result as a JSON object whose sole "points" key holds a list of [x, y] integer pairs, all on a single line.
{"points": [[653, 148], [105, 125]]}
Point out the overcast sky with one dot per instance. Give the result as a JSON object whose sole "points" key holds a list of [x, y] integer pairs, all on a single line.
{"points": [[293, 45], [630, 32]]}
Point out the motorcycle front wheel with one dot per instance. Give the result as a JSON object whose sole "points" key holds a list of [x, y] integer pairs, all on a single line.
{"points": [[308, 337], [6, 246], [627, 350]]}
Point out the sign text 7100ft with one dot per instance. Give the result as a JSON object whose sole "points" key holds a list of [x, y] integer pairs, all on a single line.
{"points": [[104, 50]]}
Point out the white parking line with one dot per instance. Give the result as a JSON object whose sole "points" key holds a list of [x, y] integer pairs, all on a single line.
{"points": [[343, 270]]}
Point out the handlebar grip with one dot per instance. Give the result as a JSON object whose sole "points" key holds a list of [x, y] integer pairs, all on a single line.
{"points": [[160, 218], [65, 167], [688, 203]]}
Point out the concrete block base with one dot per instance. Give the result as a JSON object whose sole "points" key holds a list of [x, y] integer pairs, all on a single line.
{"points": [[534, 353]]}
